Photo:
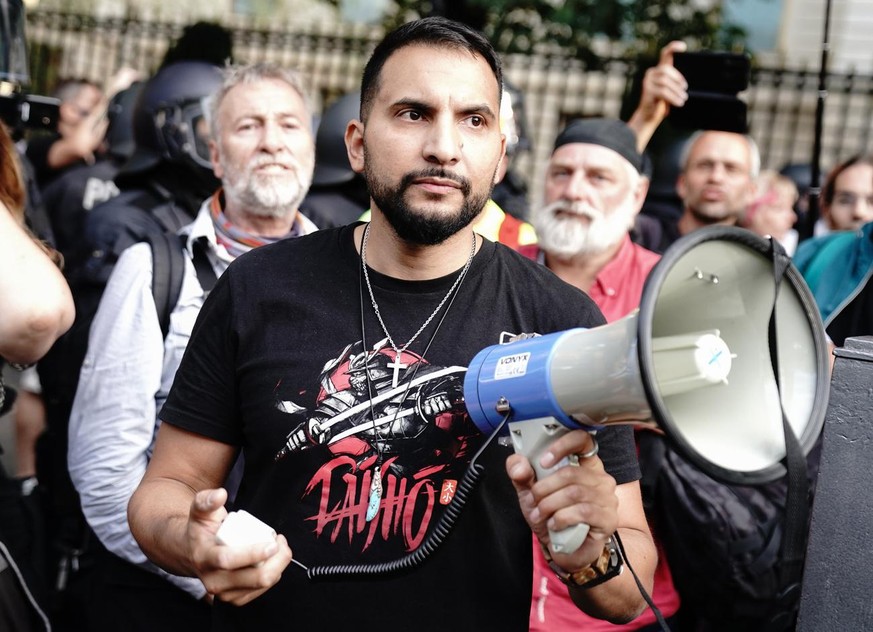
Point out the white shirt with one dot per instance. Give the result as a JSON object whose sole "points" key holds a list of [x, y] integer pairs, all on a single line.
{"points": [[125, 378]]}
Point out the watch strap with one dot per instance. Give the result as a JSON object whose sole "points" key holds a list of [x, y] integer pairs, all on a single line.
{"points": [[605, 567]]}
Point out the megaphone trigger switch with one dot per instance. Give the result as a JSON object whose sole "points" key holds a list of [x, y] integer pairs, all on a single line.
{"points": [[553, 428]]}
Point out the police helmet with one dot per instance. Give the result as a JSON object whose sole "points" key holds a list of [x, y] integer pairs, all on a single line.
{"points": [[119, 134], [169, 123], [331, 159]]}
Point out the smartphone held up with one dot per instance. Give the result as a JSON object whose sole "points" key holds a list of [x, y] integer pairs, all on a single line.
{"points": [[714, 80]]}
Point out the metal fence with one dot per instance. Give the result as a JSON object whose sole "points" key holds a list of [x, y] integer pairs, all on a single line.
{"points": [[782, 101]]}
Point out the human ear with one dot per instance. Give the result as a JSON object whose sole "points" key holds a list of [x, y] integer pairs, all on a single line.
{"points": [[354, 138], [215, 159]]}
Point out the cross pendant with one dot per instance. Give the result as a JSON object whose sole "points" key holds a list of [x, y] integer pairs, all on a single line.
{"points": [[396, 365]]}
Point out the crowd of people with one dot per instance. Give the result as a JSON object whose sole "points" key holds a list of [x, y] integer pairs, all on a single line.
{"points": [[277, 319]]}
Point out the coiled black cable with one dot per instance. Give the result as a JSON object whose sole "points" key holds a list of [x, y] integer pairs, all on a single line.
{"points": [[433, 540]]}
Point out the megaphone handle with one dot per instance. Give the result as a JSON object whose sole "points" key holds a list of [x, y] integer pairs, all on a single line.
{"points": [[532, 438]]}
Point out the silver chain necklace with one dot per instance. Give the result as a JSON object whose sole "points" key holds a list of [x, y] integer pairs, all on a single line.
{"points": [[397, 365]]}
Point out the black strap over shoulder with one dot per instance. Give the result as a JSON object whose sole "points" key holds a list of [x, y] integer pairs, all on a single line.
{"points": [[169, 254], [202, 266], [162, 206], [747, 541], [797, 493], [168, 273]]}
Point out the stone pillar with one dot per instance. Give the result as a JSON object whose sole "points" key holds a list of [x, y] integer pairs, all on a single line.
{"points": [[839, 561]]}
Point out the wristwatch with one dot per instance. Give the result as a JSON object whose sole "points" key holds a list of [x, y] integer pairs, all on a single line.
{"points": [[604, 568]]}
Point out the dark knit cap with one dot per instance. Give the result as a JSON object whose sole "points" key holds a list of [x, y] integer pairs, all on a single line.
{"points": [[609, 133]]}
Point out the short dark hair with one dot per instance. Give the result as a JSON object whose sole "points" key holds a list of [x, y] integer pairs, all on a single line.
{"points": [[829, 190], [435, 31]]}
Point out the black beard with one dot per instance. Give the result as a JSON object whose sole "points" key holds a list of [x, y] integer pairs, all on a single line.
{"points": [[418, 228]]}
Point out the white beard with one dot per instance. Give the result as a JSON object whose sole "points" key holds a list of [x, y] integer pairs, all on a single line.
{"points": [[567, 237], [267, 195]]}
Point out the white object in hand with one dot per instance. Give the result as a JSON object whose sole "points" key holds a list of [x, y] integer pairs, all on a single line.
{"points": [[241, 528]]}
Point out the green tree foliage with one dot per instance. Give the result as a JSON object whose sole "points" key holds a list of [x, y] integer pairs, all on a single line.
{"points": [[639, 28], [654, 23]]}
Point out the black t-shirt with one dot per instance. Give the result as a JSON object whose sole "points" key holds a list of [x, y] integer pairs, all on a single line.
{"points": [[277, 351]]}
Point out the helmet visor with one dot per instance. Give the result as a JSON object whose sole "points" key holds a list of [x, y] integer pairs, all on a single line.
{"points": [[198, 133]]}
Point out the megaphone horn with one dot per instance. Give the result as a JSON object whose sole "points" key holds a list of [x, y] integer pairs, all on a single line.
{"points": [[694, 360]]}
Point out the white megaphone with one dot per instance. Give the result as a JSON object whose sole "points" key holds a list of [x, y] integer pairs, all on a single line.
{"points": [[695, 360]]}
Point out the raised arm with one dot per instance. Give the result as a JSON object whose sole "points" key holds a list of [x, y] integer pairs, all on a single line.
{"points": [[82, 141], [663, 87]]}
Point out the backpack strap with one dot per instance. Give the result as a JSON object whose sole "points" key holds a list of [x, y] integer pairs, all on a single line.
{"points": [[168, 272], [202, 266], [161, 205], [168, 254]]}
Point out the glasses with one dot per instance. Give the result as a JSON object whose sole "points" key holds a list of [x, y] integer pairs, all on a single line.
{"points": [[847, 198]]}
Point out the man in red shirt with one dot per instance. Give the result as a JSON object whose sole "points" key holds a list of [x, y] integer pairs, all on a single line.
{"points": [[593, 192]]}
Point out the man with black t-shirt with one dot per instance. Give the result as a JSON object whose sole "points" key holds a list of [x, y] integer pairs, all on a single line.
{"points": [[335, 363]]}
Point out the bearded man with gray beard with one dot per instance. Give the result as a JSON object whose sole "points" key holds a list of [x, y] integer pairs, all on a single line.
{"points": [[262, 150], [593, 192]]}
